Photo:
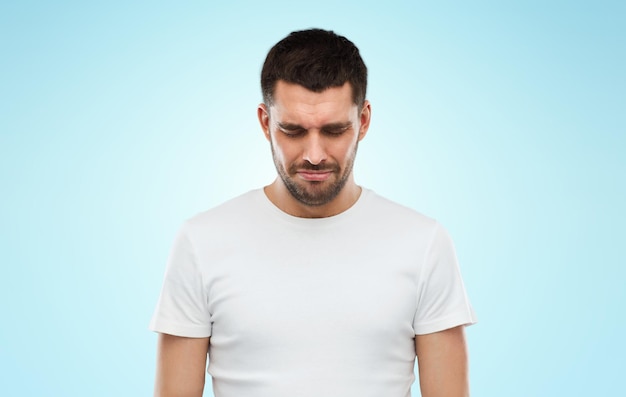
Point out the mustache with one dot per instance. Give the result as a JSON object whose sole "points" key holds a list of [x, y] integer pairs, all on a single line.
{"points": [[314, 167]]}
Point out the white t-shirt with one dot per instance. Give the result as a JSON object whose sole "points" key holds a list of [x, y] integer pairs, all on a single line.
{"points": [[299, 307]]}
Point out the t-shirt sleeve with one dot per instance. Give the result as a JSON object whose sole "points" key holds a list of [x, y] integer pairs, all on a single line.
{"points": [[182, 308], [442, 299]]}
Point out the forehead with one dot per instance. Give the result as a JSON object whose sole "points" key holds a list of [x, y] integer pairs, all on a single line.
{"points": [[294, 103]]}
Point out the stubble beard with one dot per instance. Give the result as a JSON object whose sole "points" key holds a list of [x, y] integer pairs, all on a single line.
{"points": [[313, 193]]}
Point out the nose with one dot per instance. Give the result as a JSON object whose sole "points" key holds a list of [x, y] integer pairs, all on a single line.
{"points": [[314, 149]]}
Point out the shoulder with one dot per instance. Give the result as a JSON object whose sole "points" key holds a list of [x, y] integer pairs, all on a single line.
{"points": [[228, 215], [385, 211]]}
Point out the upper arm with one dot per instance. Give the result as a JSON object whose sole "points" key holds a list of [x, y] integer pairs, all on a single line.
{"points": [[181, 366], [442, 362]]}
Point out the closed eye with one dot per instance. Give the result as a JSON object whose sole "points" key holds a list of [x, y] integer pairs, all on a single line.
{"points": [[292, 132], [336, 130], [333, 129], [291, 129]]}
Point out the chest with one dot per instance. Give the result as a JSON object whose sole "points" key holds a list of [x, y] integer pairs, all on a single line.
{"points": [[263, 296]]}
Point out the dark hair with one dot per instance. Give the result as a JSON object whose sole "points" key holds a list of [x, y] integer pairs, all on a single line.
{"points": [[315, 59]]}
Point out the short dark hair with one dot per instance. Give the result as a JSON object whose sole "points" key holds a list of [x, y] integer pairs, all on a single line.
{"points": [[315, 59]]}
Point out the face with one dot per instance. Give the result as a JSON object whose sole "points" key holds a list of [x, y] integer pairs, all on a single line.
{"points": [[314, 139]]}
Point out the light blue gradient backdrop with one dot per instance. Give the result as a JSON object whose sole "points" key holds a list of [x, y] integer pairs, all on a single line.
{"points": [[504, 120]]}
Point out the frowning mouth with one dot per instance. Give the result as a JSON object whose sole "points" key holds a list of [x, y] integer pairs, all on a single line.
{"points": [[314, 175]]}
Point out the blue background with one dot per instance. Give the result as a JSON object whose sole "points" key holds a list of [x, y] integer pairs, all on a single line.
{"points": [[504, 120]]}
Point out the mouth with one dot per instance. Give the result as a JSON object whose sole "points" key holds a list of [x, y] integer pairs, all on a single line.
{"points": [[314, 176]]}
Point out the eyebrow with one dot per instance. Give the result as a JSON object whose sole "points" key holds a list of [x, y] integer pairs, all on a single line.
{"points": [[325, 127], [289, 126]]}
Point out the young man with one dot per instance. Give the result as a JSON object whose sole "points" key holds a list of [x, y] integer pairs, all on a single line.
{"points": [[312, 286]]}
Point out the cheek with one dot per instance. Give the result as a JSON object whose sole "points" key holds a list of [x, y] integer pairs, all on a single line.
{"points": [[281, 151], [345, 151]]}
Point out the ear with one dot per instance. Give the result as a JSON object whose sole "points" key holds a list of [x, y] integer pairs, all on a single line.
{"points": [[365, 117], [264, 119]]}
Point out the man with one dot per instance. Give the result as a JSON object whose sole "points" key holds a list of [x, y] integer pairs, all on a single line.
{"points": [[313, 285]]}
